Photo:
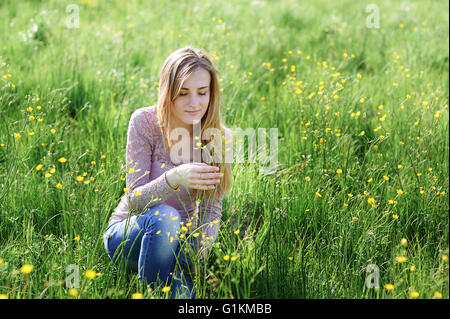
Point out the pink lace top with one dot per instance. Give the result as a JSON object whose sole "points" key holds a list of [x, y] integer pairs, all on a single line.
{"points": [[147, 186]]}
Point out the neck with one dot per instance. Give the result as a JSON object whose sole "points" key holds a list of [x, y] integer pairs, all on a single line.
{"points": [[188, 127]]}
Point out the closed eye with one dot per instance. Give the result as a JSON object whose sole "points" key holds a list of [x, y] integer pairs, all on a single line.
{"points": [[186, 94]]}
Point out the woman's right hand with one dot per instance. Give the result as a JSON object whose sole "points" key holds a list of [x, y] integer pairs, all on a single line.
{"points": [[195, 175]]}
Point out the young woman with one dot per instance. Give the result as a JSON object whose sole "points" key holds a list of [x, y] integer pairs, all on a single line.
{"points": [[173, 197]]}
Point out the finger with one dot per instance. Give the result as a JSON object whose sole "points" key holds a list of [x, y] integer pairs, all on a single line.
{"points": [[207, 175], [199, 163], [205, 181], [207, 169], [202, 187]]}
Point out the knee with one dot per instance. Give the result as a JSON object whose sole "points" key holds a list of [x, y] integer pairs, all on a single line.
{"points": [[167, 219]]}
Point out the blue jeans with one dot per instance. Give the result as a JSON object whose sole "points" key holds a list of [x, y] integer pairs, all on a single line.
{"points": [[149, 242]]}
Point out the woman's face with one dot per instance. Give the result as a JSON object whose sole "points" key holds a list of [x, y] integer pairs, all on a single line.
{"points": [[193, 100]]}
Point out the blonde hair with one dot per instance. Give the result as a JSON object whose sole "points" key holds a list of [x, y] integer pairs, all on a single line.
{"points": [[176, 69]]}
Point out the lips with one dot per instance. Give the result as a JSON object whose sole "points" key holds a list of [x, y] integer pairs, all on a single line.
{"points": [[192, 112]]}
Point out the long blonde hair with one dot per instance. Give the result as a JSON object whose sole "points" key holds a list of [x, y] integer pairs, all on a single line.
{"points": [[176, 69]]}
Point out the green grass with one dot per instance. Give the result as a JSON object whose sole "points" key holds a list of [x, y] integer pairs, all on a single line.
{"points": [[292, 243]]}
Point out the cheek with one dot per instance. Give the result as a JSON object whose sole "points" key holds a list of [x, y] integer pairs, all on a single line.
{"points": [[205, 100], [178, 104]]}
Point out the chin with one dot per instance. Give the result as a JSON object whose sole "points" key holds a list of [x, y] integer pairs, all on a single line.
{"points": [[193, 117]]}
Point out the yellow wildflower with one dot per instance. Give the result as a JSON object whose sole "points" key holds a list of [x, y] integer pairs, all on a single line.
{"points": [[388, 287], [73, 292], [136, 295], [26, 268], [165, 289], [414, 294], [404, 242], [90, 274], [437, 295], [401, 259]]}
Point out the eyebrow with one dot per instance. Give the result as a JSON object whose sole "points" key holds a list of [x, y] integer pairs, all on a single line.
{"points": [[203, 87]]}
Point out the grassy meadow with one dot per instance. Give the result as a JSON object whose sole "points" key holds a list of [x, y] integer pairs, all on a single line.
{"points": [[361, 108]]}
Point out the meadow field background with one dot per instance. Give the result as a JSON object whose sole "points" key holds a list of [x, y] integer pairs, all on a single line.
{"points": [[361, 108]]}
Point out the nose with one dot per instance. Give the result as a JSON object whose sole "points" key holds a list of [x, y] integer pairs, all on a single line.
{"points": [[194, 102]]}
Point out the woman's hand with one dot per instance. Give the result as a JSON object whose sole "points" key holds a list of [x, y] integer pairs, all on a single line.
{"points": [[195, 175]]}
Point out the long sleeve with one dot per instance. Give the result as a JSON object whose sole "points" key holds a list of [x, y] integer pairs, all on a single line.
{"points": [[142, 193]]}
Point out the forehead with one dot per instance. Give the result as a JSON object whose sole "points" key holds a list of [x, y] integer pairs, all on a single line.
{"points": [[197, 79]]}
